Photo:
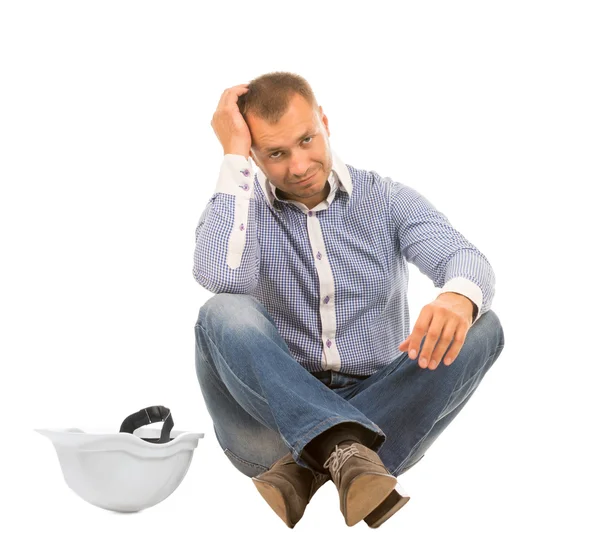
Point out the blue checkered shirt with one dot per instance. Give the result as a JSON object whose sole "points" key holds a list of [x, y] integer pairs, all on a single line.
{"points": [[333, 278]]}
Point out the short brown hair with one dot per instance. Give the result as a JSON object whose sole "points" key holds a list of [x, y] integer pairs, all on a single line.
{"points": [[269, 95]]}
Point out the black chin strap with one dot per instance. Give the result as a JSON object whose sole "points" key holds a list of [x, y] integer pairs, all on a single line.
{"points": [[149, 415]]}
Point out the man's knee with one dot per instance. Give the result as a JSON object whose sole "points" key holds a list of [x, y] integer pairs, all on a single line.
{"points": [[488, 329], [224, 306], [251, 447]]}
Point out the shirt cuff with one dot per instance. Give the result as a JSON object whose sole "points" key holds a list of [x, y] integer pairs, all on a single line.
{"points": [[236, 177], [469, 289]]}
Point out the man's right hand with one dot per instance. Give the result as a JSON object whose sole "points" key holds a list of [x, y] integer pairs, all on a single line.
{"points": [[229, 125]]}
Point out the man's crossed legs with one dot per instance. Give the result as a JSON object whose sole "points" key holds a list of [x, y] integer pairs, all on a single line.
{"points": [[266, 406]]}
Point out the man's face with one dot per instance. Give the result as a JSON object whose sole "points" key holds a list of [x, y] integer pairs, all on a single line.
{"points": [[295, 148]]}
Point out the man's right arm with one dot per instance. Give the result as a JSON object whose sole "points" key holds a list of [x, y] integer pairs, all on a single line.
{"points": [[227, 253]]}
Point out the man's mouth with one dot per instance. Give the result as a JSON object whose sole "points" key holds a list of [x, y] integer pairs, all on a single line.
{"points": [[306, 179]]}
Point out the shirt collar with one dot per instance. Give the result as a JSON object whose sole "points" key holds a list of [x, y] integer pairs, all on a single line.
{"points": [[338, 178]]}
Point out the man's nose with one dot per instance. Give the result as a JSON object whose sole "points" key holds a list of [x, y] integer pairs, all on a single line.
{"points": [[300, 165]]}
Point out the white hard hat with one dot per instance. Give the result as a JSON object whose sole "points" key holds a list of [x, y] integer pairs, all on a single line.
{"points": [[126, 471]]}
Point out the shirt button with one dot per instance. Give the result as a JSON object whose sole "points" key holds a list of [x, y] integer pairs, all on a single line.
{"points": [[319, 255], [327, 299], [310, 213], [328, 343], [242, 227], [245, 172]]}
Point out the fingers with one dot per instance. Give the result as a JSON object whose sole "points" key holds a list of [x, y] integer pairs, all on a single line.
{"points": [[230, 96], [440, 329], [443, 343], [434, 333], [229, 124], [419, 331], [460, 336]]}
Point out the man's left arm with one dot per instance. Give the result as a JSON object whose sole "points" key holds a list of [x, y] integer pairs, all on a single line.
{"points": [[467, 281]]}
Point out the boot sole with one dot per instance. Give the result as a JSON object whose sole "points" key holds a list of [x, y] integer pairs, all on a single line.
{"points": [[276, 500], [386, 509], [365, 492]]}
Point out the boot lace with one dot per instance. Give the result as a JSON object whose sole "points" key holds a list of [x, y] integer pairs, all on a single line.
{"points": [[337, 459]]}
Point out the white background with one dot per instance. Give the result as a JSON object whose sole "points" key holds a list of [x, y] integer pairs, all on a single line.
{"points": [[107, 160]]}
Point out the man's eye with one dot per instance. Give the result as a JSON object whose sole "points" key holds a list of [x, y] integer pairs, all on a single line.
{"points": [[272, 156]]}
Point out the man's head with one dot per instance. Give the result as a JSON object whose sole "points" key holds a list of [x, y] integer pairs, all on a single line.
{"points": [[290, 136]]}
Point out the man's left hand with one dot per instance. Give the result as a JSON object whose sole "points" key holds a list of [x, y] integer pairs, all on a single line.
{"points": [[448, 317]]}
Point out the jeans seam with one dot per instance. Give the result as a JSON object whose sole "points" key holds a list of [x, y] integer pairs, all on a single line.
{"points": [[454, 390], [498, 349], [227, 450], [395, 473], [244, 385], [251, 464]]}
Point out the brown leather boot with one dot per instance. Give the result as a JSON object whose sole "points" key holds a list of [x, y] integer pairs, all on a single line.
{"points": [[288, 488], [362, 480]]}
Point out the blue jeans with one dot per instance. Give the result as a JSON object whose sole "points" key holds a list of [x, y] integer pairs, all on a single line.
{"points": [[264, 404]]}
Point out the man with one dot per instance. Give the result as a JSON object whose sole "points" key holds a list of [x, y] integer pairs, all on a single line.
{"points": [[297, 355]]}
